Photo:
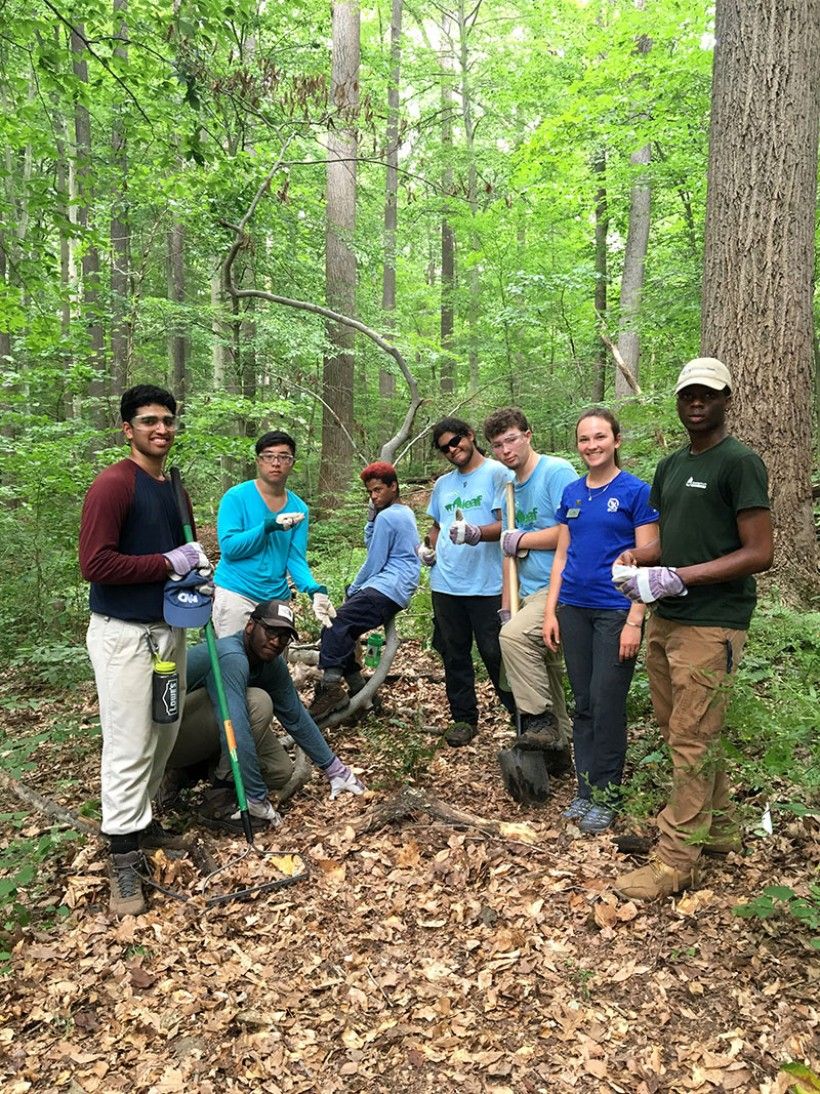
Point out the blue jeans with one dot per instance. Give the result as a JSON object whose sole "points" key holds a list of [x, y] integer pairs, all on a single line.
{"points": [[590, 639]]}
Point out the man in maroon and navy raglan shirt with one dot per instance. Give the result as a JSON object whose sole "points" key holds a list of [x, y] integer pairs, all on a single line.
{"points": [[131, 541]]}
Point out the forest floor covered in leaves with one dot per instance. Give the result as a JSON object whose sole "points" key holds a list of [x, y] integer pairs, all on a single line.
{"points": [[415, 956]]}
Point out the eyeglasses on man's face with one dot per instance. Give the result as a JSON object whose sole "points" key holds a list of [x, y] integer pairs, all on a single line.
{"points": [[454, 442], [275, 634], [506, 442], [276, 457], [150, 421]]}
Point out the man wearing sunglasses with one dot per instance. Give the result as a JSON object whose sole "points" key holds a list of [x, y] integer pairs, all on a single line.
{"points": [[534, 672], [131, 541], [263, 535], [257, 686], [465, 572]]}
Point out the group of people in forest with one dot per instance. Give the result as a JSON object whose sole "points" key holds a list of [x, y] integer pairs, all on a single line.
{"points": [[593, 554]]}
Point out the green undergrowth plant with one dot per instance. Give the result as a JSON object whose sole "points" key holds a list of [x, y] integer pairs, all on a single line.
{"points": [[781, 902], [401, 748]]}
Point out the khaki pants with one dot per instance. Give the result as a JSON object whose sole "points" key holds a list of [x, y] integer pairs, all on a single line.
{"points": [[230, 611], [198, 739], [534, 673], [134, 747], [690, 673]]}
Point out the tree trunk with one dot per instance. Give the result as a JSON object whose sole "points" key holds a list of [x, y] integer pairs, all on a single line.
{"points": [[601, 271], [97, 388], [340, 258], [387, 384], [473, 279], [448, 241], [632, 278], [119, 231], [759, 249], [177, 336]]}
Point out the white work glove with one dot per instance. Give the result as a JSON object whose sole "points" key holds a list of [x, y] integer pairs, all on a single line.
{"points": [[282, 522], [189, 556], [323, 609], [426, 554], [646, 584], [263, 810], [461, 531], [342, 780]]}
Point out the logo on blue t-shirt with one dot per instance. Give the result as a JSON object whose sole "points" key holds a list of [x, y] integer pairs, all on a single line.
{"points": [[460, 503], [612, 505], [529, 517]]}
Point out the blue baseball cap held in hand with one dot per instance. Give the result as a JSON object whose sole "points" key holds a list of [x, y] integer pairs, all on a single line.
{"points": [[183, 604]]}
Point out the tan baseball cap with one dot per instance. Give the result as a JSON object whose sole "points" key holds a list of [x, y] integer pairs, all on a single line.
{"points": [[707, 371]]}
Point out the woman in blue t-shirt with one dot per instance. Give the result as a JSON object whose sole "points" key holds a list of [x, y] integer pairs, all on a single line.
{"points": [[599, 629]]}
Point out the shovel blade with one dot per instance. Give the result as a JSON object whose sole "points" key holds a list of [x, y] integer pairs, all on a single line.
{"points": [[525, 776]]}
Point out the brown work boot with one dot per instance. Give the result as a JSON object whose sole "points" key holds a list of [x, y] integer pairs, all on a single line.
{"points": [[329, 697], [653, 881], [460, 733], [155, 837], [127, 897], [540, 733]]}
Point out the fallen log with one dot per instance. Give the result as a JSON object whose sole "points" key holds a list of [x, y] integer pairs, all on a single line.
{"points": [[46, 806], [412, 803]]}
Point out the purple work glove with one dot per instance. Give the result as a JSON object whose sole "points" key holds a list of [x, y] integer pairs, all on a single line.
{"points": [[189, 556], [462, 532], [646, 584], [509, 543], [504, 615]]}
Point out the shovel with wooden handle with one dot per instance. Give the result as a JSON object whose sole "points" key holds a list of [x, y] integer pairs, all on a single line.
{"points": [[524, 773]]}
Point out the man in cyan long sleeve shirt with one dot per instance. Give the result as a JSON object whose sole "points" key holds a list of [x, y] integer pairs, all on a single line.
{"points": [[383, 586]]}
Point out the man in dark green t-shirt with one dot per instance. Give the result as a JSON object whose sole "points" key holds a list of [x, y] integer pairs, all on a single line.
{"points": [[715, 533]]}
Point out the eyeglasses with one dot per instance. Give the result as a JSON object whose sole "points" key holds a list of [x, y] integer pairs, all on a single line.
{"points": [[275, 457], [148, 421], [505, 442], [454, 442], [275, 634]]}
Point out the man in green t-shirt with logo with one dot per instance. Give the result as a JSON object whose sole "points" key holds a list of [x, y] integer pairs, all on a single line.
{"points": [[715, 533]]}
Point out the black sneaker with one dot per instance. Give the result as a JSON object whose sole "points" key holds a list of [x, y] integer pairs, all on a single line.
{"points": [[155, 838], [460, 733], [328, 698], [127, 896], [541, 733], [355, 682]]}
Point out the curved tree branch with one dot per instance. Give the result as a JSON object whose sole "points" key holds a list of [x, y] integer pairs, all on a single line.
{"points": [[241, 240]]}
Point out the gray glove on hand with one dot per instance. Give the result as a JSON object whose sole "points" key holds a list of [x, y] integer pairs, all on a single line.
{"points": [[323, 609], [372, 512], [646, 584], [462, 532], [189, 556], [426, 553], [509, 543], [282, 522]]}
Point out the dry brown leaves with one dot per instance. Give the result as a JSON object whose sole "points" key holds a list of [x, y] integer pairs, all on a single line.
{"points": [[415, 958]]}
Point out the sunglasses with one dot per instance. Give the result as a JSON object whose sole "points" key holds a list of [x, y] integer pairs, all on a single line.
{"points": [[448, 446]]}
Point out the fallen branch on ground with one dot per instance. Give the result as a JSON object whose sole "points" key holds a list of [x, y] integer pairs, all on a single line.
{"points": [[46, 806], [409, 802]]}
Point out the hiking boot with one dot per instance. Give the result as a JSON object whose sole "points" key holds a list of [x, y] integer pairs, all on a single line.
{"points": [[577, 808], [155, 837], [330, 696], [355, 682], [460, 733], [127, 897], [540, 733], [596, 819], [653, 881]]}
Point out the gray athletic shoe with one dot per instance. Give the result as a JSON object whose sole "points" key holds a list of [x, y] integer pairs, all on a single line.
{"points": [[127, 896]]}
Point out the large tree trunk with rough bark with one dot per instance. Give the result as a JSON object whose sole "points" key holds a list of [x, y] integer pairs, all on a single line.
{"points": [[120, 233], [387, 381], [632, 278], [448, 239], [340, 257], [601, 268], [759, 249]]}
